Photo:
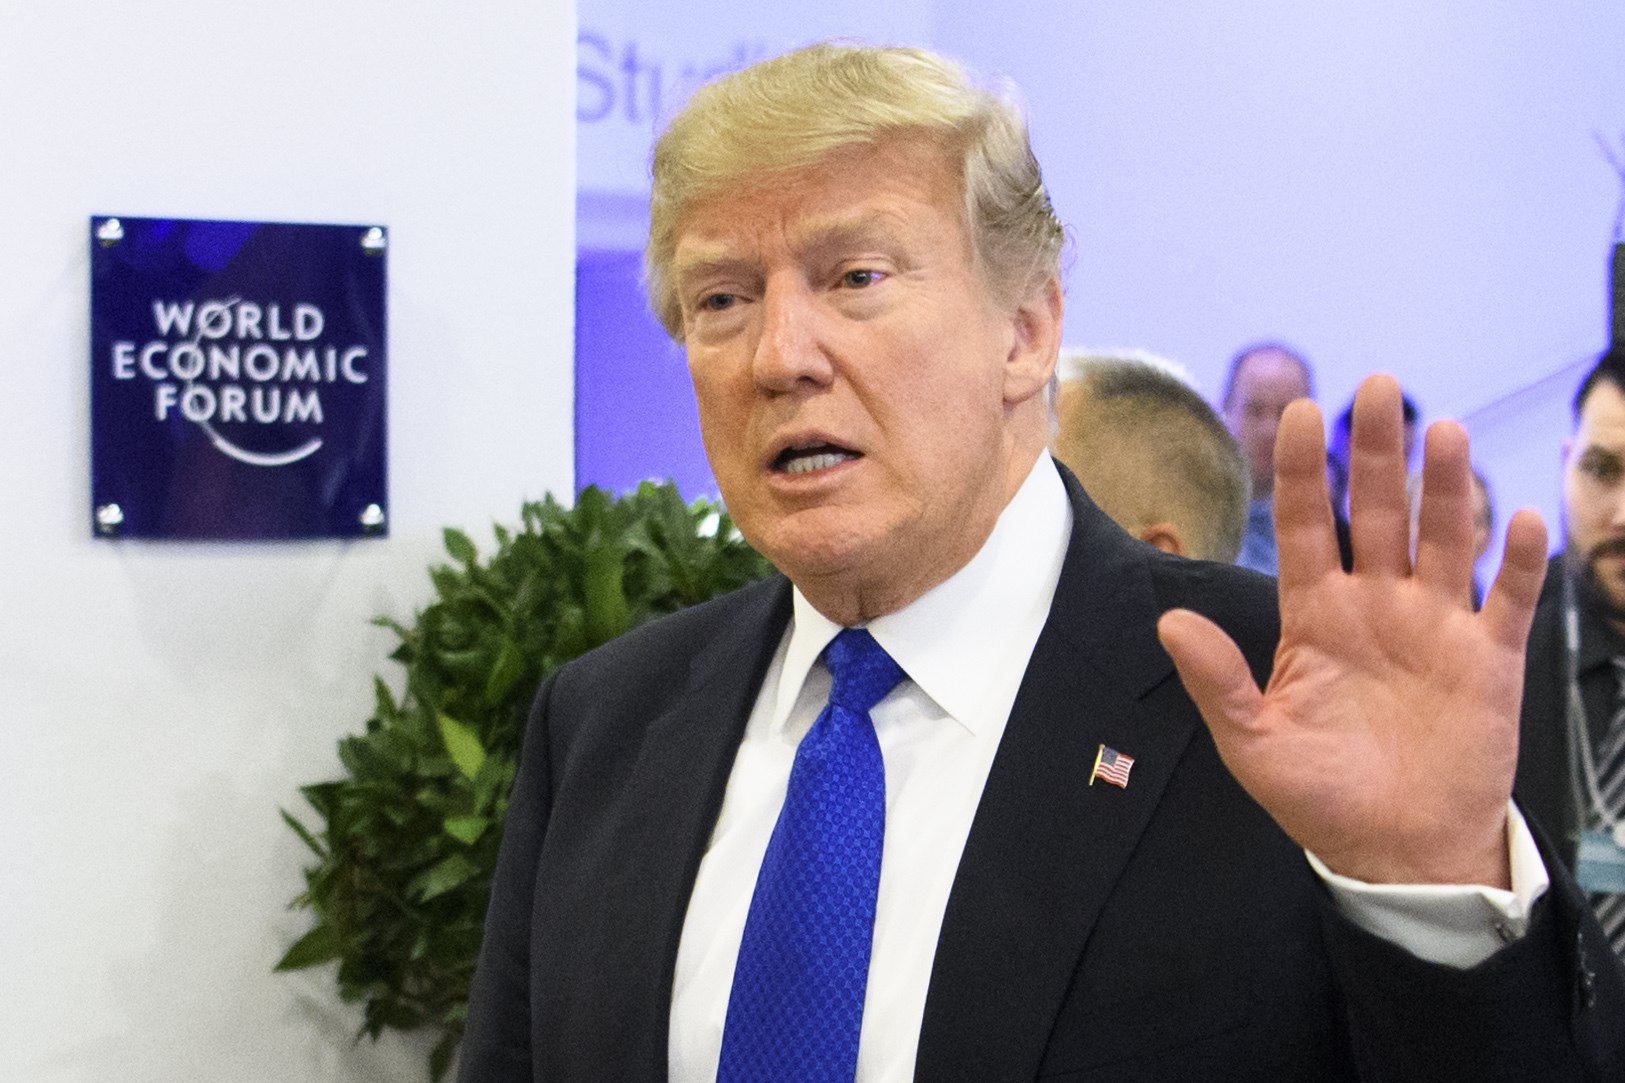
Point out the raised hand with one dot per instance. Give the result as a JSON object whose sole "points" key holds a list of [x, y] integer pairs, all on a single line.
{"points": [[1387, 737]]}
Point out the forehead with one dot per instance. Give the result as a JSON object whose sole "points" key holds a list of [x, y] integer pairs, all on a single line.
{"points": [[1271, 370], [903, 186], [1602, 419]]}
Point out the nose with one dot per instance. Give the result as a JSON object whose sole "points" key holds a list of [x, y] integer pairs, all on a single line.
{"points": [[789, 352]]}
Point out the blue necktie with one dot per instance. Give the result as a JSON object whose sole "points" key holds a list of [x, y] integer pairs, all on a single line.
{"points": [[797, 1002]]}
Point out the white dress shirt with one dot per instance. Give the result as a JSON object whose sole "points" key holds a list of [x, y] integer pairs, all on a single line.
{"points": [[964, 645]]}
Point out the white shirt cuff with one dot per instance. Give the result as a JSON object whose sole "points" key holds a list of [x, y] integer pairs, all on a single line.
{"points": [[1457, 925]]}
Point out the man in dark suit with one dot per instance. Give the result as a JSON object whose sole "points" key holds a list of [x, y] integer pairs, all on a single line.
{"points": [[1571, 764], [1077, 879]]}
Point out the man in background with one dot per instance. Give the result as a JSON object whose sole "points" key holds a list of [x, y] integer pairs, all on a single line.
{"points": [[1337, 450], [1263, 380], [1483, 530], [1571, 766], [1483, 523], [1152, 454]]}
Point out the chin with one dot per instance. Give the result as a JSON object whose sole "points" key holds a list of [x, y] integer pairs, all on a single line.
{"points": [[1605, 590], [816, 545], [798, 555]]}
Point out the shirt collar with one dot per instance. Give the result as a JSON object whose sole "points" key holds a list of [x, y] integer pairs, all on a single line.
{"points": [[981, 621]]}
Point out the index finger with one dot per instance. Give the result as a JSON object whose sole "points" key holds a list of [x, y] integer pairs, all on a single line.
{"points": [[1305, 536]]}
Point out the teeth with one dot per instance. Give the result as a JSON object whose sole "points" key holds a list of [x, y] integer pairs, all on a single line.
{"points": [[806, 464]]}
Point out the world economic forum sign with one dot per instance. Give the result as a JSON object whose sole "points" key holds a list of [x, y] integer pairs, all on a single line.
{"points": [[237, 379]]}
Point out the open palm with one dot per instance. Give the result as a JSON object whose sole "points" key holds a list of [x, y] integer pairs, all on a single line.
{"points": [[1386, 740]]}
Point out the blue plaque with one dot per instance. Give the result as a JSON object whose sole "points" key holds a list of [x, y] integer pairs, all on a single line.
{"points": [[237, 379]]}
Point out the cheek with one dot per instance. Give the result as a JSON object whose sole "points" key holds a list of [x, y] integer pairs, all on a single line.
{"points": [[1590, 518], [721, 410]]}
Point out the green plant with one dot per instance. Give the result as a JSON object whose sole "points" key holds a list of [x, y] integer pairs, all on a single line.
{"points": [[408, 841]]}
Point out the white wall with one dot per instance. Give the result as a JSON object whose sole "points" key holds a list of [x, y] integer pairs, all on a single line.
{"points": [[158, 702]]}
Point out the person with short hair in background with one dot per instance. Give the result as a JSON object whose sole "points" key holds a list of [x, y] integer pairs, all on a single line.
{"points": [[1152, 453]]}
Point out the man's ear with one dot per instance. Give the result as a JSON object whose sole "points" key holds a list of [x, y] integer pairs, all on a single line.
{"points": [[1035, 344], [1164, 536]]}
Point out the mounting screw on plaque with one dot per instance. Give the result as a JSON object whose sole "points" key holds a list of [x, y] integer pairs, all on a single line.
{"points": [[374, 241], [109, 518], [372, 519], [110, 232]]}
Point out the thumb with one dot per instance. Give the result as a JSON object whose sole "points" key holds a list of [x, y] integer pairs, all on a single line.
{"points": [[1212, 668]]}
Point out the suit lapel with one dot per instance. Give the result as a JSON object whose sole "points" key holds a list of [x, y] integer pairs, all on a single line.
{"points": [[679, 777], [1046, 846]]}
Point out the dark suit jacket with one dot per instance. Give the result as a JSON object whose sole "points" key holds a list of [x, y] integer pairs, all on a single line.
{"points": [[1543, 786], [1166, 931], [1545, 753]]}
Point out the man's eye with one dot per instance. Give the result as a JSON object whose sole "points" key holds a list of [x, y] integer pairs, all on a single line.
{"points": [[1606, 471], [717, 302], [858, 279]]}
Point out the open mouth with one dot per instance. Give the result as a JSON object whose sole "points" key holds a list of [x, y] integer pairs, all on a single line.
{"points": [[807, 458]]}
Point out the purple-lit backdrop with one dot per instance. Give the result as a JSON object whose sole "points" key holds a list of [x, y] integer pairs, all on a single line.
{"points": [[1409, 188], [635, 415]]}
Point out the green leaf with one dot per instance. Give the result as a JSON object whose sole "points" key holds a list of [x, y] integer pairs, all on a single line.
{"points": [[508, 671], [604, 595], [442, 877], [383, 702], [467, 829], [317, 946], [495, 778], [462, 745], [461, 549], [304, 833], [440, 1059], [322, 796]]}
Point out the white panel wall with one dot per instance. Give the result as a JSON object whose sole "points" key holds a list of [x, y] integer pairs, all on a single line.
{"points": [[158, 702]]}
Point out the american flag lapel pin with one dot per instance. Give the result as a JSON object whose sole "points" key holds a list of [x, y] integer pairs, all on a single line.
{"points": [[1113, 766]]}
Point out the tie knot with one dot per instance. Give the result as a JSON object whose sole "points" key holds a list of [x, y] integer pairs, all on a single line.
{"points": [[862, 670]]}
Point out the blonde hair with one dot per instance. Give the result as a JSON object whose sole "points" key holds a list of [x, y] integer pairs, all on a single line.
{"points": [[787, 112]]}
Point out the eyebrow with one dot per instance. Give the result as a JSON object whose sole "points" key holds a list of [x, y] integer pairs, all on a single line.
{"points": [[705, 263], [870, 230]]}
